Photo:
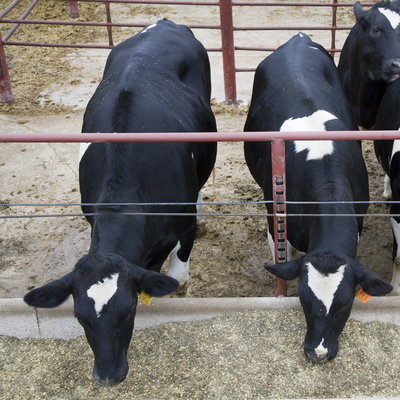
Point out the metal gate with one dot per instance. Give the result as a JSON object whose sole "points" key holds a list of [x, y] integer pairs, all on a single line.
{"points": [[227, 28]]}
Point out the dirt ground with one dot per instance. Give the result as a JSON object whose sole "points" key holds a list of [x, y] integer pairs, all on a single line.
{"points": [[52, 87]]}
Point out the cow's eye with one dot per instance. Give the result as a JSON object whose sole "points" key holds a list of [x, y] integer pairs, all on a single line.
{"points": [[375, 30]]}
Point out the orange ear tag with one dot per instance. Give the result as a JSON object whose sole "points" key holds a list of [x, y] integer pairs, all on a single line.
{"points": [[364, 297], [146, 298]]}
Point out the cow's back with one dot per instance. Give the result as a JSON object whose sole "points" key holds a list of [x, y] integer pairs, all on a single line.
{"points": [[146, 81], [297, 80]]}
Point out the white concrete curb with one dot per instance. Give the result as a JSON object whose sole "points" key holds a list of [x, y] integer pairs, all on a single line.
{"points": [[19, 320]]}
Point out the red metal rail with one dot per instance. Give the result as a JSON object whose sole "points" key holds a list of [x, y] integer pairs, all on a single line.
{"points": [[197, 136], [226, 26]]}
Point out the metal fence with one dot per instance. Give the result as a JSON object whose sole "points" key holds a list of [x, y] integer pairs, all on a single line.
{"points": [[227, 28]]}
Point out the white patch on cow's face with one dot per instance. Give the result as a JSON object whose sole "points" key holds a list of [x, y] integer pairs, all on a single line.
{"points": [[149, 27], [392, 16], [324, 286], [82, 149], [314, 122], [101, 292], [321, 350], [178, 269]]}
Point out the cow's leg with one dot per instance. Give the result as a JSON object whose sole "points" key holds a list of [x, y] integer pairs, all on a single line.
{"points": [[201, 221], [395, 282], [178, 267], [387, 191], [395, 222]]}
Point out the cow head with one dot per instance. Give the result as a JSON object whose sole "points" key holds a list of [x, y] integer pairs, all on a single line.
{"points": [[326, 291], [379, 45], [105, 290]]}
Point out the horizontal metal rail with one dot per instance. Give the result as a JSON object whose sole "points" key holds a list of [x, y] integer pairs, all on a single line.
{"points": [[197, 136]]}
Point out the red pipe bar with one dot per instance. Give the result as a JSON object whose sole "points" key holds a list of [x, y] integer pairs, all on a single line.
{"points": [[22, 17], [9, 8], [197, 136], [279, 210], [109, 24], [235, 3], [119, 24], [73, 7]]}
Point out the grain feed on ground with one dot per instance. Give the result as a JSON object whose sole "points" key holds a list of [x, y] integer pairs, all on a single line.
{"points": [[247, 355]]}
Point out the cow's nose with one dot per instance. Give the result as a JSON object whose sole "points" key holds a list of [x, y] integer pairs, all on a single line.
{"points": [[108, 381], [110, 377], [396, 65], [315, 354]]}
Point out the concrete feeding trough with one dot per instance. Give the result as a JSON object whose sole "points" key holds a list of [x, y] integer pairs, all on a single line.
{"points": [[19, 320]]}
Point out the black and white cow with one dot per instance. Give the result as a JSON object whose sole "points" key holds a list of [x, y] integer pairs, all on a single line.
{"points": [[156, 81], [296, 88], [388, 154], [370, 58]]}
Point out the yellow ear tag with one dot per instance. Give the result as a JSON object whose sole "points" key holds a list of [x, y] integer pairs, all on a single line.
{"points": [[146, 298], [364, 297]]}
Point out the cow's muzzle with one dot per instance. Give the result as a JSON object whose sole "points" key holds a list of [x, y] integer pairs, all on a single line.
{"points": [[110, 378], [391, 70], [315, 355]]}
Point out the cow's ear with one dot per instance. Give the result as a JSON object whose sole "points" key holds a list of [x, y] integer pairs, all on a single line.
{"points": [[52, 294], [153, 283], [370, 282], [288, 271], [358, 11]]}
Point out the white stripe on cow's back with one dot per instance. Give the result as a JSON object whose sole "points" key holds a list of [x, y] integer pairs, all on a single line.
{"points": [[82, 149], [149, 27], [324, 286], [102, 292], [317, 149], [392, 16]]}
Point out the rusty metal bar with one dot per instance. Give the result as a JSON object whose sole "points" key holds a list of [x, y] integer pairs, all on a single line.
{"points": [[109, 23], [279, 209], [73, 8], [234, 3], [22, 17], [9, 8], [198, 136], [290, 28], [84, 23], [333, 31], [228, 50], [6, 93]]}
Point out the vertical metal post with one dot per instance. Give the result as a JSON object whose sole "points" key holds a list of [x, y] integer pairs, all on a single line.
{"points": [[333, 31], [73, 9], [279, 207], [228, 50], [6, 93], [109, 27]]}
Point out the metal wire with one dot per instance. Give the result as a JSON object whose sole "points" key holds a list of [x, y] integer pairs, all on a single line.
{"points": [[225, 214], [6, 205]]}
